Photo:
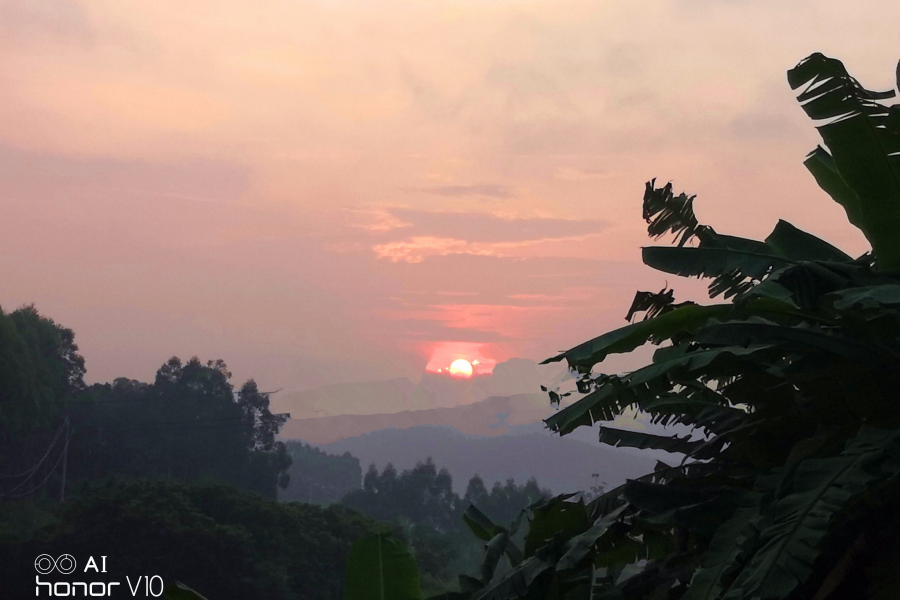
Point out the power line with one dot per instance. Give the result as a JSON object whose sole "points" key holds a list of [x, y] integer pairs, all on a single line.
{"points": [[38, 486], [50, 447], [9, 494], [168, 399], [198, 424]]}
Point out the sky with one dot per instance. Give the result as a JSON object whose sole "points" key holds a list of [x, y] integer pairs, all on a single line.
{"points": [[321, 192]]}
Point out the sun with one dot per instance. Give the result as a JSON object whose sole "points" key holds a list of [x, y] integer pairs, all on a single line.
{"points": [[461, 367]]}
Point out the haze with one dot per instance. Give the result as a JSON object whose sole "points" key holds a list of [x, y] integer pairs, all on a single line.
{"points": [[325, 192]]}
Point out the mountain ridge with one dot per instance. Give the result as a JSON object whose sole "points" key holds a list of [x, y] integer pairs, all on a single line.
{"points": [[560, 464]]}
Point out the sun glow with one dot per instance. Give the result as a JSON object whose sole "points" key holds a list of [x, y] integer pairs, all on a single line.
{"points": [[461, 367], [481, 357]]}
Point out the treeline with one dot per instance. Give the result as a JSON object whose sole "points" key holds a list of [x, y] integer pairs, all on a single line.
{"points": [[422, 504], [318, 477], [188, 424], [419, 504]]}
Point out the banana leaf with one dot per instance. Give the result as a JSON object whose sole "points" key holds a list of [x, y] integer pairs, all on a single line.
{"points": [[864, 141], [381, 568]]}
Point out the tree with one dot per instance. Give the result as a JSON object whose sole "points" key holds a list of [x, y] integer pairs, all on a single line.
{"points": [[504, 502], [40, 370], [791, 479], [422, 495], [188, 424], [318, 477], [39, 367], [421, 503]]}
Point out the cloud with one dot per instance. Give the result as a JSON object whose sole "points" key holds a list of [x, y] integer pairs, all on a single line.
{"points": [[42, 174], [489, 190], [573, 174], [379, 220], [29, 20], [473, 322], [445, 233], [417, 249], [493, 228]]}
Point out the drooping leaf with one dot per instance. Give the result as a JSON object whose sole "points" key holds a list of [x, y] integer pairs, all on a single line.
{"points": [[520, 581], [462, 595], [579, 547], [865, 147], [745, 333], [665, 212], [555, 518], [638, 439], [605, 403], [819, 488], [795, 244], [807, 282], [494, 550], [769, 288], [689, 410], [728, 550], [469, 584], [178, 591], [625, 339], [731, 269], [659, 498], [651, 304], [381, 568], [821, 165], [480, 524], [869, 297]]}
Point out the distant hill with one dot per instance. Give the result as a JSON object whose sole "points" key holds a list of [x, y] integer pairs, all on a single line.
{"points": [[489, 425], [434, 390], [489, 417], [348, 398], [561, 464]]}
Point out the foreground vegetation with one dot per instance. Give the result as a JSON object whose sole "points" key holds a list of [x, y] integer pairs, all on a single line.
{"points": [[222, 541], [421, 504], [790, 487]]}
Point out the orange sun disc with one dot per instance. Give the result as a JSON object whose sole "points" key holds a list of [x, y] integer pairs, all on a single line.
{"points": [[460, 366]]}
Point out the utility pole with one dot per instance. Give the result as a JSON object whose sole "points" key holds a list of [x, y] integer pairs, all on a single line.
{"points": [[62, 491]]}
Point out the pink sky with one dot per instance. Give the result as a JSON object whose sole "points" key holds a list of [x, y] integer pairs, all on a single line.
{"points": [[344, 190]]}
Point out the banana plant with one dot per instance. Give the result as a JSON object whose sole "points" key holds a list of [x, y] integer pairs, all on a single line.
{"points": [[789, 486], [176, 590], [381, 568]]}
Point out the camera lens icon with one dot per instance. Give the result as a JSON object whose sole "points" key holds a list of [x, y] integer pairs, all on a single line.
{"points": [[65, 564], [45, 564]]}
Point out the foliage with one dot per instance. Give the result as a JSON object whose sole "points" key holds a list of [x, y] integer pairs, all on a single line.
{"points": [[318, 477], [422, 503], [862, 172], [504, 502], [381, 568], [420, 495], [791, 479], [223, 542], [39, 367], [178, 591], [189, 424]]}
